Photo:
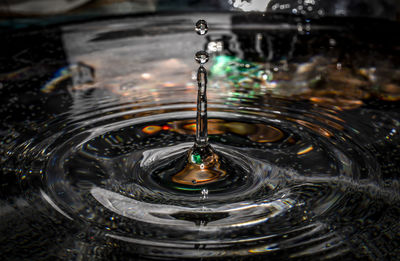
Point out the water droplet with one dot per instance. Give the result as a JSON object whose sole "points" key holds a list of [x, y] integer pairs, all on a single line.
{"points": [[201, 57], [204, 193], [201, 27]]}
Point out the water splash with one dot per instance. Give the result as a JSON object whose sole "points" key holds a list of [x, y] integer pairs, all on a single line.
{"points": [[203, 166], [307, 167], [201, 119]]}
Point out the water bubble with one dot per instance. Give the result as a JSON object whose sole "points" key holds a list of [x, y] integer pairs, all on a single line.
{"points": [[201, 27], [201, 57]]}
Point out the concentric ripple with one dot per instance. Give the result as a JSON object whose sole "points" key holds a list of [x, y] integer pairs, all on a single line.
{"points": [[293, 173], [303, 116]]}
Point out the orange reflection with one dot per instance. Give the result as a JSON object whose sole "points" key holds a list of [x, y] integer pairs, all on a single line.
{"points": [[346, 104], [255, 132], [195, 175], [151, 129], [265, 133], [326, 121], [305, 150], [315, 128]]}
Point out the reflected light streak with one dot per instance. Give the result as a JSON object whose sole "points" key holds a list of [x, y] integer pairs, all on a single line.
{"points": [[305, 150], [264, 249], [51, 202]]}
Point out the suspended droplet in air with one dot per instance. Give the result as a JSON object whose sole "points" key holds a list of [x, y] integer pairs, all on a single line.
{"points": [[201, 27], [201, 57]]}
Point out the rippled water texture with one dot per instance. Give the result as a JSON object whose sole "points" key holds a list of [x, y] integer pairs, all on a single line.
{"points": [[98, 119]]}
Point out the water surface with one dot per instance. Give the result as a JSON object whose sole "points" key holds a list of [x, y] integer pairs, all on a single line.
{"points": [[98, 118]]}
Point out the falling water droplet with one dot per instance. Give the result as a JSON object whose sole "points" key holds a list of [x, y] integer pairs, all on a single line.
{"points": [[201, 27], [201, 57]]}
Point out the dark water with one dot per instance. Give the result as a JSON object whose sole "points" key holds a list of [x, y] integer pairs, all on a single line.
{"points": [[303, 117]]}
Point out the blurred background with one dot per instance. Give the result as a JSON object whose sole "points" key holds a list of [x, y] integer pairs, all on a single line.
{"points": [[27, 12]]}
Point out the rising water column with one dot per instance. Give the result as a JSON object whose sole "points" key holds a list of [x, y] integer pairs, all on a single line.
{"points": [[203, 166]]}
